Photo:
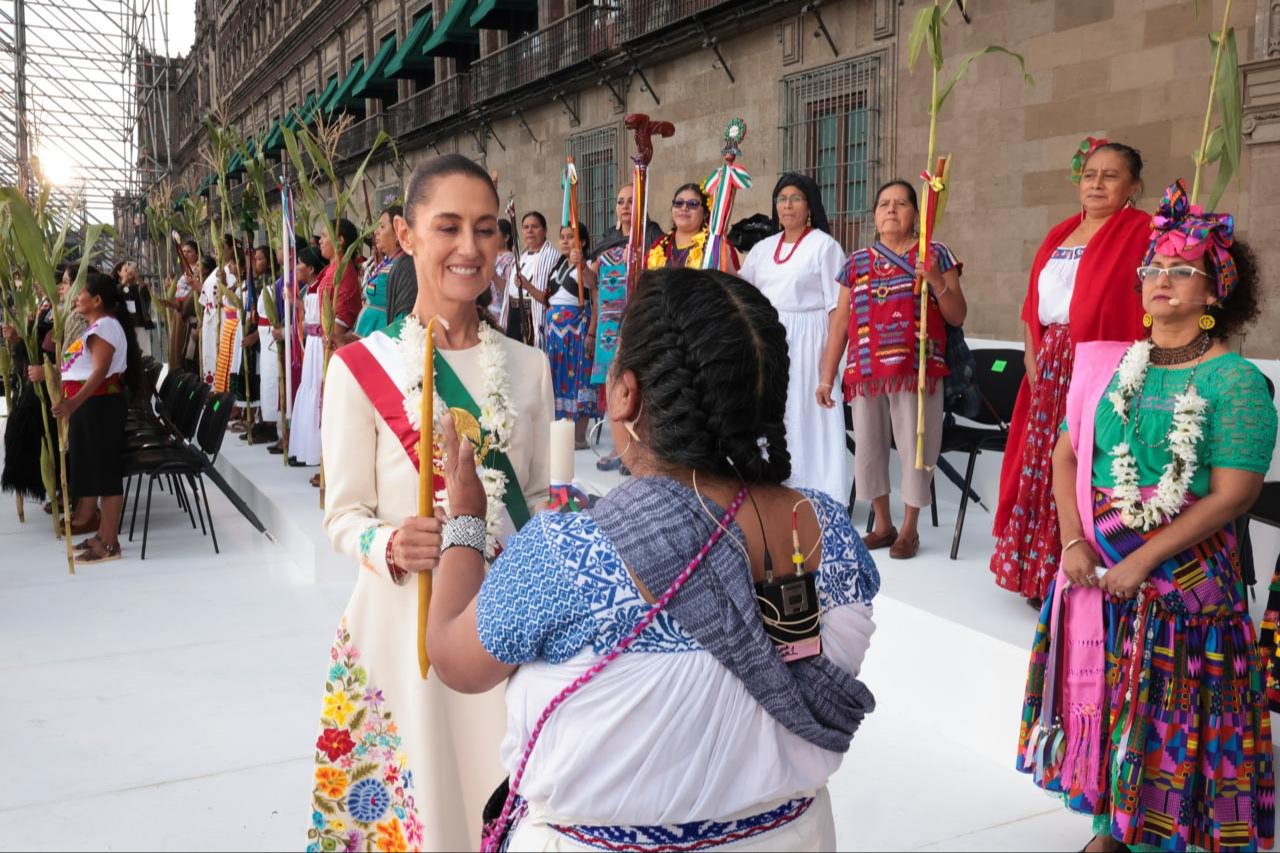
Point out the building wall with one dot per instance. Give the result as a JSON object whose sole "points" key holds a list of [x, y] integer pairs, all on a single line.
{"points": [[1136, 71]]}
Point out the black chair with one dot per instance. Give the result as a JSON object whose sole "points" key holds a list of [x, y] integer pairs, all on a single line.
{"points": [[191, 462], [1265, 509], [1000, 375]]}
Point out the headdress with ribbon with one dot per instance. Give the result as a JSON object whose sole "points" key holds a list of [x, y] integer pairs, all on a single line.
{"points": [[1084, 151], [1183, 229]]}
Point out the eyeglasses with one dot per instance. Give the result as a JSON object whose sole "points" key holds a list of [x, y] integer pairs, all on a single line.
{"points": [[686, 203], [1177, 275], [790, 199]]}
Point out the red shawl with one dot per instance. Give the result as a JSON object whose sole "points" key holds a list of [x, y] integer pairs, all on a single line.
{"points": [[1105, 306]]}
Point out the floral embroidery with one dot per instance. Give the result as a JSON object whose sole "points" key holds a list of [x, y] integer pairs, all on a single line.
{"points": [[366, 540], [363, 795]]}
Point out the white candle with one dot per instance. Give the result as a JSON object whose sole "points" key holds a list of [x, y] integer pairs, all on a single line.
{"points": [[561, 452]]}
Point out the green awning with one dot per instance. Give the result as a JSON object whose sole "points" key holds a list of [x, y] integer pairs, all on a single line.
{"points": [[177, 202], [342, 98], [302, 116], [455, 36], [206, 185], [510, 15], [329, 89], [274, 140], [235, 164], [375, 83], [409, 61]]}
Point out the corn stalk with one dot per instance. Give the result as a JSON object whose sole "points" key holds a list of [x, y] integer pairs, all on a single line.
{"points": [[927, 33], [36, 237], [1222, 144]]}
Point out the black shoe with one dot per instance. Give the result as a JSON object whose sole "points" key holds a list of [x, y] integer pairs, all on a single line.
{"points": [[608, 464], [624, 471], [275, 449], [263, 433], [294, 463]]}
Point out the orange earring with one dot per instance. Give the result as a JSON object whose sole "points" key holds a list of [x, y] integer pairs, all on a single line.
{"points": [[1147, 320]]}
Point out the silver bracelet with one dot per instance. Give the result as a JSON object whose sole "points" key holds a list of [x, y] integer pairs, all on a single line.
{"points": [[465, 530]]}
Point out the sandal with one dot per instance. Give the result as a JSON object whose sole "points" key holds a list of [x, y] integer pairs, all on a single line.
{"points": [[89, 543], [100, 554], [237, 426], [315, 481]]}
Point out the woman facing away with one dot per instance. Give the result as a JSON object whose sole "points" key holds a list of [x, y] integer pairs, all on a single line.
{"points": [[878, 315], [1080, 290], [796, 270], [404, 763], [1145, 704], [700, 727]]}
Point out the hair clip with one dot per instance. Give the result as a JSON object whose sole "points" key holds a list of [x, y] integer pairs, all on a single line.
{"points": [[763, 444]]}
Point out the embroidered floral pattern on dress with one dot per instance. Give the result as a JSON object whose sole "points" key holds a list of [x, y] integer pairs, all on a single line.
{"points": [[363, 795]]}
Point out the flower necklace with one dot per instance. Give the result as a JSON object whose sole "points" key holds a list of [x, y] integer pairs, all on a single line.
{"points": [[1175, 480], [497, 416], [777, 250]]}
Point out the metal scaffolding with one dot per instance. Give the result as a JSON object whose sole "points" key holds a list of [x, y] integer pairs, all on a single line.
{"points": [[84, 90]]}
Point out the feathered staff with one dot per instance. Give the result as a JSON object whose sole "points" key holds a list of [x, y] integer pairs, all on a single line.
{"points": [[722, 185], [569, 214], [644, 131], [928, 31]]}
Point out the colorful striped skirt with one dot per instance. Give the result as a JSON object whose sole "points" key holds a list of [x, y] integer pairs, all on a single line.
{"points": [[226, 353], [1186, 733], [1026, 554], [570, 361]]}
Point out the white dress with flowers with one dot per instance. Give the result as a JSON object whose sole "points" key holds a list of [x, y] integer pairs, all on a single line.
{"points": [[402, 763]]}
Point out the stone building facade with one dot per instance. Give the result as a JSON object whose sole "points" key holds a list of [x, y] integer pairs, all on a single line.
{"points": [[823, 87]]}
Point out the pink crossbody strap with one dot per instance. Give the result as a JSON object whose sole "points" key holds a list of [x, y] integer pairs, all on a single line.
{"points": [[494, 833]]}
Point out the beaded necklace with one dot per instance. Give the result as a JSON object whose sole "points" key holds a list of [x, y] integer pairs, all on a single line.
{"points": [[777, 250]]}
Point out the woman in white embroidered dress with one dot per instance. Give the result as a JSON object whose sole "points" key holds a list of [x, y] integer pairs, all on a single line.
{"points": [[304, 424], [403, 763], [796, 269], [699, 735]]}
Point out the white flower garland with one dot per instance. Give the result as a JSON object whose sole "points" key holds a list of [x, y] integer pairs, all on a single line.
{"points": [[1175, 480], [497, 417]]}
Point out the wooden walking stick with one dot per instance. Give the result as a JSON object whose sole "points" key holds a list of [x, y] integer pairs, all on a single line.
{"points": [[570, 218], [426, 482]]}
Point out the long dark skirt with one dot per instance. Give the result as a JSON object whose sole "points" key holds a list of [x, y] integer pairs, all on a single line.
{"points": [[95, 444]]}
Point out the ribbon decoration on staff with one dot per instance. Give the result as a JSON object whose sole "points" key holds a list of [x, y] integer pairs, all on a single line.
{"points": [[722, 185], [289, 277], [932, 198], [569, 215], [637, 245]]}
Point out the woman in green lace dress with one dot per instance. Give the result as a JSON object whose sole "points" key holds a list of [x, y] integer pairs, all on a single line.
{"points": [[1145, 704], [373, 317]]}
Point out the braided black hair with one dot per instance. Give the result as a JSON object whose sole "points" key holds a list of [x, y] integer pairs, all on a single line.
{"points": [[710, 357]]}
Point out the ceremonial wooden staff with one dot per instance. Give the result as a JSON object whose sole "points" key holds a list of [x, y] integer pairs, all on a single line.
{"points": [[723, 185], [569, 219], [637, 245], [426, 481], [927, 32]]}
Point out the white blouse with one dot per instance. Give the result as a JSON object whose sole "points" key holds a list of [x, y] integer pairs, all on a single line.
{"points": [[805, 281], [1056, 284], [665, 734]]}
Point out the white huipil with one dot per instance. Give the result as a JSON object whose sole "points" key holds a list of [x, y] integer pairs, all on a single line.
{"points": [[304, 425], [389, 724], [804, 290], [268, 364]]}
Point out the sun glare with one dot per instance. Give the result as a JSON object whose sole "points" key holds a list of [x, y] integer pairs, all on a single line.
{"points": [[59, 168]]}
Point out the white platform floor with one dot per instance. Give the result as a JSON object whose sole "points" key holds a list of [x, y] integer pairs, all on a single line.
{"points": [[172, 703]]}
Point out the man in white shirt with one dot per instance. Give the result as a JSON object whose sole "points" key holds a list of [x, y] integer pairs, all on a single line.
{"points": [[526, 312]]}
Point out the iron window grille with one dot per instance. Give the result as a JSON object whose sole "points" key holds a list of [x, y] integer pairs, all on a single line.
{"points": [[595, 154], [831, 132]]}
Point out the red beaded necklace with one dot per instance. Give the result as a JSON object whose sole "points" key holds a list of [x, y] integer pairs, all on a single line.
{"points": [[777, 250]]}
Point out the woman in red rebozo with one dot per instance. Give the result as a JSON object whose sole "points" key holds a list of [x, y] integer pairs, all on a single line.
{"points": [[1083, 287]]}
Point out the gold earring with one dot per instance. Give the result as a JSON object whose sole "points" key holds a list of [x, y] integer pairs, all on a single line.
{"points": [[1207, 322], [630, 427], [1147, 320]]}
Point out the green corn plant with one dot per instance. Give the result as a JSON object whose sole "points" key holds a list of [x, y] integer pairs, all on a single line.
{"points": [[37, 238], [1221, 144], [926, 33]]}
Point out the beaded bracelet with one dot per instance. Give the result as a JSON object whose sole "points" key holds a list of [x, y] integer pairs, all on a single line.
{"points": [[468, 531], [398, 575]]}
